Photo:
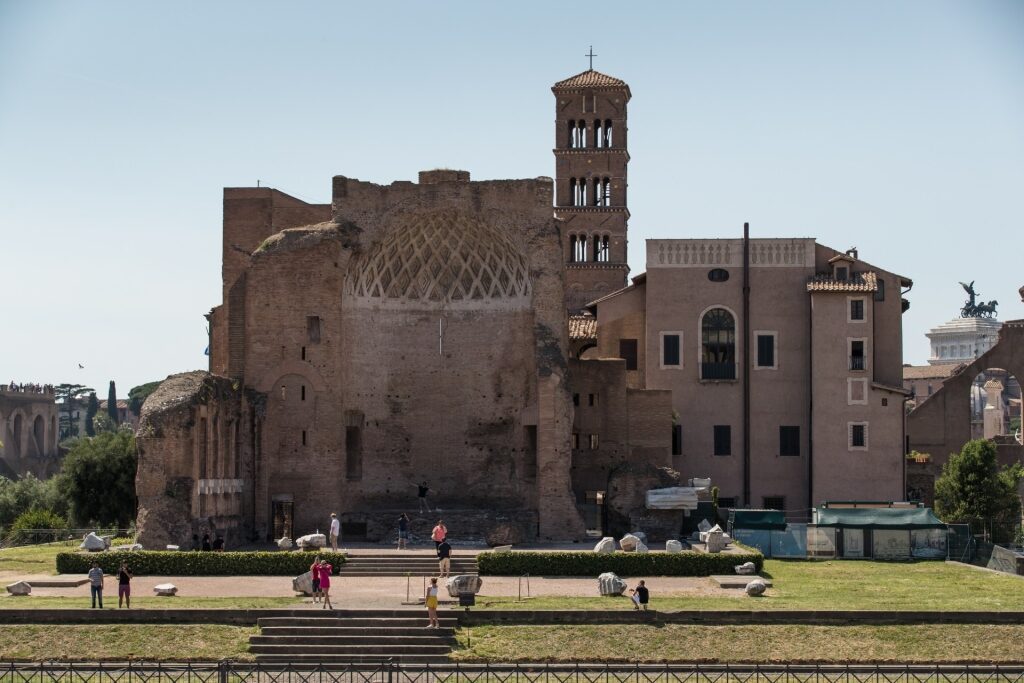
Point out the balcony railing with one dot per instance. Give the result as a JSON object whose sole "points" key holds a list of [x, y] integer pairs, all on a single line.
{"points": [[857, 363], [718, 371]]}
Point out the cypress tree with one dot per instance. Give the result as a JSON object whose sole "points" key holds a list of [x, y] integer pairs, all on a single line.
{"points": [[92, 408], [112, 402]]}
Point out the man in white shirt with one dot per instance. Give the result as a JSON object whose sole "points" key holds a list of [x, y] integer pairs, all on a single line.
{"points": [[335, 530]]}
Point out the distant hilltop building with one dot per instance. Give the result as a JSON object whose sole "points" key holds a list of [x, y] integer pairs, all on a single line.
{"points": [[28, 431], [482, 336]]}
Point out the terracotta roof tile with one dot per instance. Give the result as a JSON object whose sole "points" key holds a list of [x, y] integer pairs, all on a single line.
{"points": [[930, 371], [862, 282], [582, 327], [591, 79]]}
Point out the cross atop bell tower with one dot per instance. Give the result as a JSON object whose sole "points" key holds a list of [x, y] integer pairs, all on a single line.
{"points": [[590, 182]]}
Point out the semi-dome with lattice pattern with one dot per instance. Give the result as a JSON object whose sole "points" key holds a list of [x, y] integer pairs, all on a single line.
{"points": [[442, 258]]}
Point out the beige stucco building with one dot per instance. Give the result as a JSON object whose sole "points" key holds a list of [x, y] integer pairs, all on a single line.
{"points": [[783, 358], [28, 431]]}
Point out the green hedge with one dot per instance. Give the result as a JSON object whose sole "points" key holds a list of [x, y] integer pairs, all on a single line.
{"points": [[194, 563], [686, 563]]}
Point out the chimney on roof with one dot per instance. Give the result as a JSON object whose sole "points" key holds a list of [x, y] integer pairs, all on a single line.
{"points": [[852, 252]]}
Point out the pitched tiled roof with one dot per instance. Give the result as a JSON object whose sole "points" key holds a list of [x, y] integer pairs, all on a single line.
{"points": [[582, 327], [929, 371], [861, 282], [591, 79]]}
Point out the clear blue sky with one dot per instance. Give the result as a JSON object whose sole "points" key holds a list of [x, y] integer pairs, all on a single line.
{"points": [[895, 127]]}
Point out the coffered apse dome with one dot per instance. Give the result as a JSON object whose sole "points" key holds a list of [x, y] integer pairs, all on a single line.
{"points": [[441, 259]]}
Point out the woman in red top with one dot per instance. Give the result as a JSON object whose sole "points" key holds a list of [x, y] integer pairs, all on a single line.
{"points": [[325, 584]]}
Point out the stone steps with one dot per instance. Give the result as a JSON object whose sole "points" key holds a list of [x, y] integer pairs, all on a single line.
{"points": [[331, 638], [346, 631], [403, 564]]}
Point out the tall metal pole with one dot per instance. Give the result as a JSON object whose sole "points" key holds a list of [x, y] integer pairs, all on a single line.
{"points": [[746, 364]]}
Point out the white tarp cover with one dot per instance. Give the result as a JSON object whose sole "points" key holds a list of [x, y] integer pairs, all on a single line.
{"points": [[673, 498]]}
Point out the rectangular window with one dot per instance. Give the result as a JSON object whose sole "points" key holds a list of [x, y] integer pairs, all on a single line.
{"points": [[593, 442], [723, 440], [856, 310], [670, 350], [858, 435], [677, 439], [592, 400], [589, 104], [353, 453], [857, 354], [303, 437], [302, 393], [313, 328], [627, 351], [575, 441], [842, 273], [726, 502], [575, 399], [303, 353], [766, 349], [530, 459], [774, 503], [789, 441]]}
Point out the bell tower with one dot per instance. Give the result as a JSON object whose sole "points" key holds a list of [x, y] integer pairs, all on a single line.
{"points": [[590, 183]]}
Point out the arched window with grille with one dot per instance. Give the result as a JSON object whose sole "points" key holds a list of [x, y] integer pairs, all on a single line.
{"points": [[718, 345]]}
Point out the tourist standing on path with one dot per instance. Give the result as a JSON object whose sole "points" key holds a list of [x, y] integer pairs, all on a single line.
{"points": [[335, 531], [314, 575], [444, 557], [430, 600], [206, 543], [439, 533], [403, 531], [422, 490], [96, 584], [641, 596], [325, 583], [124, 586]]}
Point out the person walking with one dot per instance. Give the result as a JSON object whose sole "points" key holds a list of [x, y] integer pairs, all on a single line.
{"points": [[641, 596], [96, 585], [444, 557], [430, 600], [403, 531], [439, 533], [314, 575], [422, 490], [335, 531], [124, 586], [325, 583]]}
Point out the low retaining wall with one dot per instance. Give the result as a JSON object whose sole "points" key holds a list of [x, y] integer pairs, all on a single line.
{"points": [[248, 617]]}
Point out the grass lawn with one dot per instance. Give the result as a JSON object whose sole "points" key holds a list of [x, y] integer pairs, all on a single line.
{"points": [[765, 644], [34, 559], [145, 602], [119, 642], [829, 585]]}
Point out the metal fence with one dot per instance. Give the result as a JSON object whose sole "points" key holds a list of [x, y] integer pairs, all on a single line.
{"points": [[391, 672]]}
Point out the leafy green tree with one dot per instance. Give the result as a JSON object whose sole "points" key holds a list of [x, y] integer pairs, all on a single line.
{"points": [[92, 407], [36, 526], [17, 497], [104, 424], [98, 479], [138, 395], [974, 489], [112, 403], [70, 398]]}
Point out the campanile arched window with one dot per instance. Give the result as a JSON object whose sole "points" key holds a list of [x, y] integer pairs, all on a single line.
{"points": [[718, 345]]}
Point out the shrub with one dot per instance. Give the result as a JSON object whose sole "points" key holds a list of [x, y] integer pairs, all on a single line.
{"points": [[196, 563], [686, 563], [35, 526]]}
